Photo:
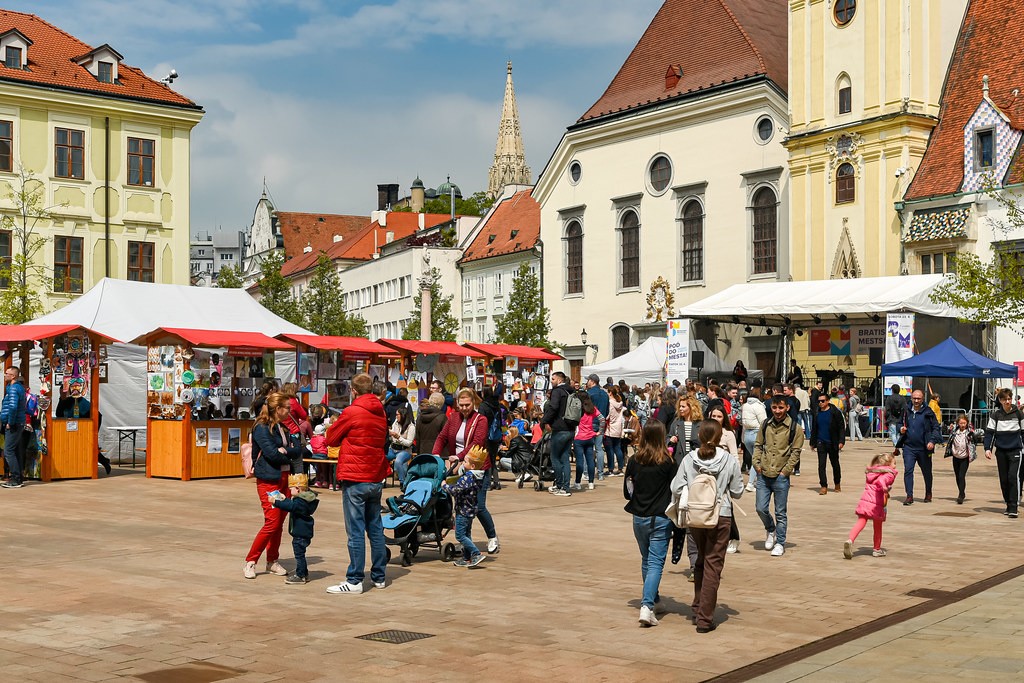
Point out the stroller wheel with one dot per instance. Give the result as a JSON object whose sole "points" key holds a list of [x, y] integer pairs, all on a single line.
{"points": [[388, 551], [519, 482], [406, 558], [448, 552], [537, 486]]}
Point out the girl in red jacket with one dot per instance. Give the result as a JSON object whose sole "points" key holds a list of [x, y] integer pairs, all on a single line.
{"points": [[467, 428], [880, 476]]}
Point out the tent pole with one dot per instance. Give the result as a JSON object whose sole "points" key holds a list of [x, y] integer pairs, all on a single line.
{"points": [[970, 408]]}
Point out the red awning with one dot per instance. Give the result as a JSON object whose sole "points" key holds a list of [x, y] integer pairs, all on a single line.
{"points": [[219, 338], [29, 332], [347, 344], [443, 348], [520, 352]]}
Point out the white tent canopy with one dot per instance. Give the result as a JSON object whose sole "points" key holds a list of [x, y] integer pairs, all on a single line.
{"points": [[779, 303], [646, 363], [125, 310]]}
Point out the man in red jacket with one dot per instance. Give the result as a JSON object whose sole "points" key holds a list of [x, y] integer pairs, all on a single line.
{"points": [[361, 432]]}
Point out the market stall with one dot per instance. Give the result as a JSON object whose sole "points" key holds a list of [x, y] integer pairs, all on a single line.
{"points": [[524, 371], [424, 361], [68, 390], [325, 364], [200, 384]]}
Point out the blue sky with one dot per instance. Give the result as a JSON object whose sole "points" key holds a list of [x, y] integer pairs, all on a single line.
{"points": [[327, 98]]}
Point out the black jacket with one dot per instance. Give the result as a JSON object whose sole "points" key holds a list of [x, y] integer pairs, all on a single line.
{"points": [[267, 460], [836, 428], [392, 406], [676, 430], [652, 490], [429, 423], [300, 511], [554, 410], [521, 453]]}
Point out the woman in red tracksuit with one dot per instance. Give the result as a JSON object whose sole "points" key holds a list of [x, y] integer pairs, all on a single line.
{"points": [[464, 429]]}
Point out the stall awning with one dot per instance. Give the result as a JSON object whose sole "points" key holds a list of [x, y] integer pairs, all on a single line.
{"points": [[443, 348], [345, 344], [520, 352], [30, 332], [858, 299], [223, 338]]}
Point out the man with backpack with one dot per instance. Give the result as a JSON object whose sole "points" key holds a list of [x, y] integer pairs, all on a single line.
{"points": [[12, 417], [776, 456], [558, 420]]}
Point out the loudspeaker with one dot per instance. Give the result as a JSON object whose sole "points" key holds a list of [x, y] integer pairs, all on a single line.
{"points": [[876, 356], [697, 359]]}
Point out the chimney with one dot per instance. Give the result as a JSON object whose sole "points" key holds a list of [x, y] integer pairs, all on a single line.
{"points": [[422, 222], [672, 76], [308, 249], [392, 194], [387, 196], [337, 238]]}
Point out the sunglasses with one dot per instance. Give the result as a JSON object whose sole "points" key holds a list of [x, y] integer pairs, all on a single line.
{"points": [[822, 400]]}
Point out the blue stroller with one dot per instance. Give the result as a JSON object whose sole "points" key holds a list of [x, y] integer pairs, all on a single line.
{"points": [[422, 515]]}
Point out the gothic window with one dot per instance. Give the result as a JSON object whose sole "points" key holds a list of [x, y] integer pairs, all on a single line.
{"points": [[620, 341], [629, 241], [845, 184], [693, 242], [844, 93], [574, 258], [765, 233]]}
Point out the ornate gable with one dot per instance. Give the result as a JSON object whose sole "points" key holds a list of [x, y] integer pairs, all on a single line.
{"points": [[988, 120]]}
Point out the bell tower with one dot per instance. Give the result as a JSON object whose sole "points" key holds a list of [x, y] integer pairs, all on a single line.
{"points": [[509, 167]]}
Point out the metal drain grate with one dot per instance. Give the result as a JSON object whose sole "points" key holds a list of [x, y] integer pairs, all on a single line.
{"points": [[955, 514], [395, 637]]}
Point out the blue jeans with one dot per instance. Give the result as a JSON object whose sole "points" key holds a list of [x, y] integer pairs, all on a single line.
{"points": [[584, 457], [616, 458], [12, 437], [767, 487], [894, 432], [652, 536], [561, 442], [463, 529], [401, 463], [749, 439], [362, 518], [299, 546], [805, 422], [599, 454], [482, 513]]}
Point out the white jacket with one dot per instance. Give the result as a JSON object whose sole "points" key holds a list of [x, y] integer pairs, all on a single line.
{"points": [[753, 413]]}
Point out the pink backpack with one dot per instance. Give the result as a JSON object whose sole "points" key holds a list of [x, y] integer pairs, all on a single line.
{"points": [[247, 464]]}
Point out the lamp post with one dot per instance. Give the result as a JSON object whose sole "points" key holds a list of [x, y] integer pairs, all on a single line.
{"points": [[583, 341]]}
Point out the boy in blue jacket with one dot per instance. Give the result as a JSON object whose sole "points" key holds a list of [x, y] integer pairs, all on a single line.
{"points": [[464, 494], [300, 508]]}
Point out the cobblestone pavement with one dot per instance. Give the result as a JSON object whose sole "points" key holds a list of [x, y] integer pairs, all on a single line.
{"points": [[129, 577]]}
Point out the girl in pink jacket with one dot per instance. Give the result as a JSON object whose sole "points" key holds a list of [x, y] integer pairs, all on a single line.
{"points": [[880, 476]]}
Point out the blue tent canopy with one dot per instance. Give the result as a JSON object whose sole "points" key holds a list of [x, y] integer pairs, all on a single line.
{"points": [[949, 359]]}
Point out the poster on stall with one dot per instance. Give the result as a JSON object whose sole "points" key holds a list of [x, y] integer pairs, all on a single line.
{"points": [[307, 372], [471, 373], [327, 366], [677, 350], [378, 373], [201, 437], [214, 440], [413, 386], [234, 440], [511, 363], [268, 364], [899, 345]]}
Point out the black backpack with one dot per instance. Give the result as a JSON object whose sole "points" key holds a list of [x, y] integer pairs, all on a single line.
{"points": [[792, 431]]}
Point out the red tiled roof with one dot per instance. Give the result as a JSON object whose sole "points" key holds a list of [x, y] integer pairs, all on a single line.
{"points": [[713, 41], [300, 263], [520, 213], [316, 230], [50, 64], [988, 44], [371, 238]]}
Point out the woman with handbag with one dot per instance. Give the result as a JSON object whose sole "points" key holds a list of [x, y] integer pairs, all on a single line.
{"points": [[647, 488], [464, 429], [271, 454]]}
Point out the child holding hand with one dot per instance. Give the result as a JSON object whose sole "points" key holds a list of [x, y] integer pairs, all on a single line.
{"points": [[464, 492], [880, 476], [300, 506]]}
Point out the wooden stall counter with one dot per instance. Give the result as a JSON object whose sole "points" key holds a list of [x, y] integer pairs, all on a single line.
{"points": [[169, 456], [71, 451]]}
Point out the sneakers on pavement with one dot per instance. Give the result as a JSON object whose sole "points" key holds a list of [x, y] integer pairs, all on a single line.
{"points": [[909, 500], [927, 498], [848, 550], [475, 560], [461, 562], [769, 540], [380, 584], [249, 571], [749, 488], [576, 487], [295, 579], [878, 553], [276, 568], [560, 492], [647, 617], [1012, 514], [552, 488], [493, 546], [12, 484], [779, 550], [345, 587], [733, 547]]}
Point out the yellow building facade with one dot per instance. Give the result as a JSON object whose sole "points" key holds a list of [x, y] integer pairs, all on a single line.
{"points": [[105, 148], [865, 80]]}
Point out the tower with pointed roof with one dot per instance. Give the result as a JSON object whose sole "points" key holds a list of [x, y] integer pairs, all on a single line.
{"points": [[509, 167]]}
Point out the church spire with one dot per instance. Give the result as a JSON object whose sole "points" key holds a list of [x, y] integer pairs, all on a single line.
{"points": [[509, 166]]}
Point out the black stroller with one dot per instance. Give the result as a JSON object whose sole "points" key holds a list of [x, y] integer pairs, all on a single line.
{"points": [[539, 469]]}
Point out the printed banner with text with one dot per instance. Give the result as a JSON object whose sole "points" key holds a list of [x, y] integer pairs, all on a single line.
{"points": [[677, 350], [899, 345]]}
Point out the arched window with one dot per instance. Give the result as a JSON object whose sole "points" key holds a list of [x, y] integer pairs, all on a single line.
{"points": [[845, 184], [574, 258], [620, 341], [629, 240], [844, 11], [693, 242], [844, 95], [765, 242]]}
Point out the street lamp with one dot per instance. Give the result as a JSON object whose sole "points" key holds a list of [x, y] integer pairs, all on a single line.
{"points": [[583, 341]]}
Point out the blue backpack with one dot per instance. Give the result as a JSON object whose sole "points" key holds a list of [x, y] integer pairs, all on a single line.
{"points": [[494, 430]]}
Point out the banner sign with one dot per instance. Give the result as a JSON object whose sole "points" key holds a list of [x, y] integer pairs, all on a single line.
{"points": [[899, 345], [677, 350], [845, 340]]}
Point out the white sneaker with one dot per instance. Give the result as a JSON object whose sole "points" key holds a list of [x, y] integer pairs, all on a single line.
{"points": [[647, 617], [734, 547], [527, 477], [493, 546], [576, 487], [778, 550], [276, 568], [563, 494], [769, 540], [848, 549], [250, 570], [552, 488], [750, 488], [380, 584], [590, 486], [345, 587]]}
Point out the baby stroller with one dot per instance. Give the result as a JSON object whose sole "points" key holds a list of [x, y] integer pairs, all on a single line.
{"points": [[421, 516], [540, 469]]}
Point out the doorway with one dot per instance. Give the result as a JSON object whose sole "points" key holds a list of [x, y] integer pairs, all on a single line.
{"points": [[765, 362], [575, 369]]}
